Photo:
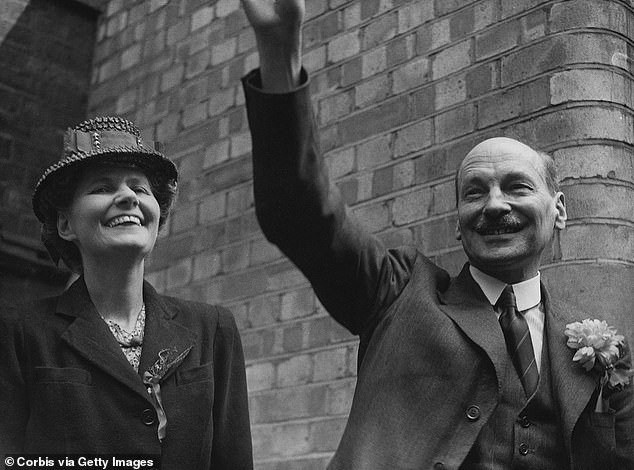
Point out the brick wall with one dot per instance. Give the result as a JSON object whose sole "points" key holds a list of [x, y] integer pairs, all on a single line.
{"points": [[46, 49], [402, 90]]}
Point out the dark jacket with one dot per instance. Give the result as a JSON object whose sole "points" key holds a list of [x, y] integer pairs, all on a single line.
{"points": [[430, 346], [66, 387]]}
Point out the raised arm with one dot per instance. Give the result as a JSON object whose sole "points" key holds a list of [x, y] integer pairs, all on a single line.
{"points": [[277, 26], [298, 209]]}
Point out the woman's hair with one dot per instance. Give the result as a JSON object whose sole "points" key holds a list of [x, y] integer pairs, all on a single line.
{"points": [[58, 196]]}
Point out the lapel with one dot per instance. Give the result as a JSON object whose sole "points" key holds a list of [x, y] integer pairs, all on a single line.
{"points": [[90, 337], [465, 303], [162, 333], [572, 385]]}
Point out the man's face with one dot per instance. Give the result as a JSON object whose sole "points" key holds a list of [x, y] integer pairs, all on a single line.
{"points": [[506, 212]]}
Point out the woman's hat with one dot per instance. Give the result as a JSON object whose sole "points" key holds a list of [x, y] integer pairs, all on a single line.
{"points": [[109, 140]]}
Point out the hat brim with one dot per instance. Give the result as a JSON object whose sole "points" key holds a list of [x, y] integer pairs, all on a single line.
{"points": [[149, 161]]}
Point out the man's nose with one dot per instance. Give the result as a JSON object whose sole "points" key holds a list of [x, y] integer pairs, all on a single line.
{"points": [[126, 197], [496, 203]]}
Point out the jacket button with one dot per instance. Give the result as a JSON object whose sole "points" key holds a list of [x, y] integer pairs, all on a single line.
{"points": [[523, 449], [473, 413], [439, 466], [524, 421], [148, 417]]}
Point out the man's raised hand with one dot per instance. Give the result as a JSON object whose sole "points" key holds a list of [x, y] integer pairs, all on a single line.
{"points": [[277, 26]]}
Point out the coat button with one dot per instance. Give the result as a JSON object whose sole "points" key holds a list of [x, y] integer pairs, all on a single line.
{"points": [[524, 421], [473, 413], [523, 449], [148, 417], [439, 466]]}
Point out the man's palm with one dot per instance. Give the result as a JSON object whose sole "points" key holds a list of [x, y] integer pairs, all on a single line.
{"points": [[274, 16]]}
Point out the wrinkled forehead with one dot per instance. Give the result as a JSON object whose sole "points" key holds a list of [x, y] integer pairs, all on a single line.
{"points": [[502, 152]]}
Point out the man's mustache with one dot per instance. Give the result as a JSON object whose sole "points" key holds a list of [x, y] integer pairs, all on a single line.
{"points": [[507, 223]]}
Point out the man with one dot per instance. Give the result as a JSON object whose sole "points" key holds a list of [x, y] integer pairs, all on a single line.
{"points": [[471, 372]]}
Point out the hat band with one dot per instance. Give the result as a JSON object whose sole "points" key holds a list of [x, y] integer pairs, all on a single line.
{"points": [[95, 141]]}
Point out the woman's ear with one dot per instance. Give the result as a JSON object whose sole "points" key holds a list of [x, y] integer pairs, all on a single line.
{"points": [[64, 227]]}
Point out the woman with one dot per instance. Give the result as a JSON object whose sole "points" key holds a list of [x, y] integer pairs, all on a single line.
{"points": [[110, 366]]}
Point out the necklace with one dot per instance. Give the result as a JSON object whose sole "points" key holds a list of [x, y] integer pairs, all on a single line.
{"points": [[130, 339]]}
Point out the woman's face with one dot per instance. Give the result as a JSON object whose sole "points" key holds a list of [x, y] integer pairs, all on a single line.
{"points": [[113, 213]]}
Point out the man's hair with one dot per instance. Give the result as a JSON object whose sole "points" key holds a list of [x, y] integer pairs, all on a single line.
{"points": [[550, 175], [58, 196]]}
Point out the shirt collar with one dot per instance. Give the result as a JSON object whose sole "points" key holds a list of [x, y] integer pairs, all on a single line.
{"points": [[528, 293]]}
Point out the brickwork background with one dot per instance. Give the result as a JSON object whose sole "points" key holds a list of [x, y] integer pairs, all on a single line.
{"points": [[402, 90], [46, 49]]}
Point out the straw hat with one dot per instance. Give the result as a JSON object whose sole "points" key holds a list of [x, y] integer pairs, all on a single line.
{"points": [[109, 140]]}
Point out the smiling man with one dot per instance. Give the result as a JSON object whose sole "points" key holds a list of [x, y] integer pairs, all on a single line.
{"points": [[469, 372]]}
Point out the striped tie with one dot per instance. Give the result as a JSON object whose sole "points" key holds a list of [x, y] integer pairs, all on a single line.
{"points": [[518, 340]]}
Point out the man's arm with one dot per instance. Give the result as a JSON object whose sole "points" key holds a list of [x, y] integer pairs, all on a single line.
{"points": [[353, 275]]}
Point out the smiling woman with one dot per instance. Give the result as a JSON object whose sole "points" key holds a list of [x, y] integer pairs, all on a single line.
{"points": [[110, 366]]}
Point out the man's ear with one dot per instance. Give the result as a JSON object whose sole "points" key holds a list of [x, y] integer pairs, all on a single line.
{"points": [[560, 208], [458, 234], [64, 228]]}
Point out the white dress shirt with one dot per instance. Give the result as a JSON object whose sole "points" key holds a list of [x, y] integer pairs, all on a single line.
{"points": [[528, 296]]}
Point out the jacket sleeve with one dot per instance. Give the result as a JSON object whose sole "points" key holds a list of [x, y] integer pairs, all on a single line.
{"points": [[623, 404], [231, 447], [13, 396], [300, 211]]}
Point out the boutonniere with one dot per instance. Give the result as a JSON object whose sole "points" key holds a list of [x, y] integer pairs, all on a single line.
{"points": [[599, 348], [167, 358]]}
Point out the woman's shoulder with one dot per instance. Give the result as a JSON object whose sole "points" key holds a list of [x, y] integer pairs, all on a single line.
{"points": [[199, 312]]}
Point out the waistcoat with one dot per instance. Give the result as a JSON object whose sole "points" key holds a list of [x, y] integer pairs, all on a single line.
{"points": [[522, 434]]}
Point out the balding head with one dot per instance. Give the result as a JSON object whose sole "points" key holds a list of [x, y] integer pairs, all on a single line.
{"points": [[500, 147]]}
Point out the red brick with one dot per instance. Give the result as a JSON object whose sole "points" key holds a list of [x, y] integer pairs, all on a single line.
{"points": [[480, 80], [374, 216], [437, 235], [387, 115], [599, 160], [297, 304], [589, 84], [297, 370], [235, 258], [379, 31], [413, 15], [413, 138], [330, 364], [447, 6], [411, 207], [589, 14], [598, 241], [382, 182], [452, 59], [513, 7], [344, 47], [325, 435], [454, 123], [558, 51], [410, 75], [260, 376], [599, 199], [575, 124], [498, 40], [462, 23], [372, 91]]}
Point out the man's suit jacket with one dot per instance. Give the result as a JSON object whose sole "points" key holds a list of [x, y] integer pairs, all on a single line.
{"points": [[431, 355], [67, 388]]}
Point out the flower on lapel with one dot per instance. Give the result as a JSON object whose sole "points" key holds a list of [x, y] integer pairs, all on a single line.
{"points": [[599, 347], [167, 358]]}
